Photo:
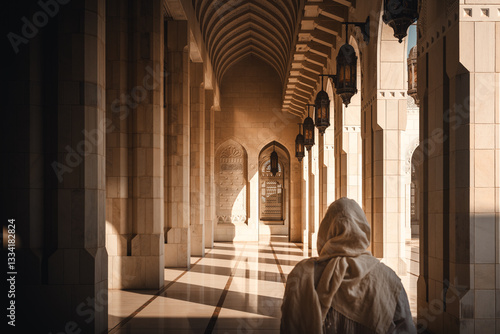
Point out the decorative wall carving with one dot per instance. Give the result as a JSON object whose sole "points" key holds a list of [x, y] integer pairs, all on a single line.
{"points": [[231, 152], [231, 184], [411, 106], [409, 154]]}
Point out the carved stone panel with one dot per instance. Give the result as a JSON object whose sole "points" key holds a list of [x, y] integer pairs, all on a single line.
{"points": [[231, 185]]}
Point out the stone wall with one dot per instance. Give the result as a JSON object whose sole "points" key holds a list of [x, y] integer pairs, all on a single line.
{"points": [[458, 75]]}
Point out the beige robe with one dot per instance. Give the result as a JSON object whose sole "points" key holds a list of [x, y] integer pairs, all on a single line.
{"points": [[345, 282]]}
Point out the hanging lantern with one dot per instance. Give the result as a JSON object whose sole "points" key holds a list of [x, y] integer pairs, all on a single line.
{"points": [[274, 162], [308, 131], [345, 80], [299, 145], [399, 15], [322, 110], [347, 66], [412, 75]]}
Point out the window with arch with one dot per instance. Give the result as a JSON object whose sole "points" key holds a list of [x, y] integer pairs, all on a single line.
{"points": [[271, 192]]}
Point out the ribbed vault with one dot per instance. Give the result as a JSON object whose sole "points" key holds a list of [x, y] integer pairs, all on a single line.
{"points": [[235, 28]]}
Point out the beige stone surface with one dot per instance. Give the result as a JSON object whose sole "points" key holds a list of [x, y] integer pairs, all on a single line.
{"points": [[161, 183]]}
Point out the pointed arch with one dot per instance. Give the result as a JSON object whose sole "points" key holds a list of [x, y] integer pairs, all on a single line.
{"points": [[274, 190]]}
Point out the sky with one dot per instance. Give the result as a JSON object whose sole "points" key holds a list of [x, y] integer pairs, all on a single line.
{"points": [[412, 37]]}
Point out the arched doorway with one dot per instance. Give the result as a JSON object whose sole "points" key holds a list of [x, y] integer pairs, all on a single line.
{"points": [[274, 191], [271, 194]]}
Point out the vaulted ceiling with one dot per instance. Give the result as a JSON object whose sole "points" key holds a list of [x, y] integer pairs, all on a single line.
{"points": [[296, 37], [233, 29]]}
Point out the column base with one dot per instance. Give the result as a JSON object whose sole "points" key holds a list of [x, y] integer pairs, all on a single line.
{"points": [[77, 282], [229, 232], [198, 240], [178, 248], [136, 272], [209, 234], [305, 243], [63, 308], [313, 240], [177, 256]]}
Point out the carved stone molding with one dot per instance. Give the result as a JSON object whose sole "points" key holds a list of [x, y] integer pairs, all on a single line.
{"points": [[231, 184]]}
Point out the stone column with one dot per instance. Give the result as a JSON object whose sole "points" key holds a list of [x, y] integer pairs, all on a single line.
{"points": [[305, 202], [384, 120], [118, 220], [329, 166], [313, 192], [177, 145], [145, 264], [56, 187], [458, 286], [197, 160], [322, 177], [388, 124], [209, 168], [367, 136], [348, 144], [296, 205], [310, 198], [78, 268]]}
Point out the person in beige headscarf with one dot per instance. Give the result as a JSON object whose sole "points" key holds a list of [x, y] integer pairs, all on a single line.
{"points": [[345, 289]]}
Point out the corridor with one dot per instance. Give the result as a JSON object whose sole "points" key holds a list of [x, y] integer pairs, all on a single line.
{"points": [[170, 161], [236, 288]]}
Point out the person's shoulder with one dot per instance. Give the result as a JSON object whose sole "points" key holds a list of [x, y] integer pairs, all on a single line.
{"points": [[388, 274], [303, 267], [301, 274], [387, 269]]}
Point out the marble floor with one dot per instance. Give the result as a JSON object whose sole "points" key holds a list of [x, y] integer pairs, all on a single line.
{"points": [[235, 288]]}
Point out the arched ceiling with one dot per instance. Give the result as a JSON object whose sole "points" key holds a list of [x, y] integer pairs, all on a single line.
{"points": [[235, 28]]}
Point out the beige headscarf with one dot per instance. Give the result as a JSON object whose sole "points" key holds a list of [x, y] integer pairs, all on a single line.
{"points": [[345, 276]]}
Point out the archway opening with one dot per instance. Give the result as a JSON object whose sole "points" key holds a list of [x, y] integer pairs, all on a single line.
{"points": [[274, 191], [271, 194]]}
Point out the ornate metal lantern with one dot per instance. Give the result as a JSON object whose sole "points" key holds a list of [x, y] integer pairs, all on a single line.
{"points": [[299, 145], [399, 15], [322, 110], [347, 65], [308, 130], [345, 80], [412, 75], [274, 162]]}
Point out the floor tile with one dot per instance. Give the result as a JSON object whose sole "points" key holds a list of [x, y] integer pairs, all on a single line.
{"points": [[237, 285]]}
